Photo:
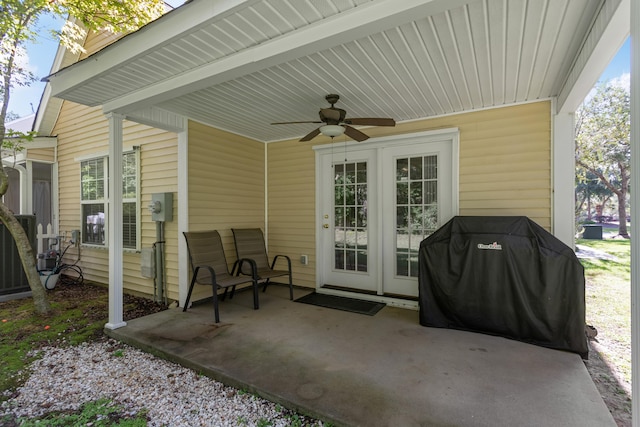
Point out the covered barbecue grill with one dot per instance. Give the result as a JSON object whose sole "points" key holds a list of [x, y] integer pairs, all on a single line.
{"points": [[503, 276]]}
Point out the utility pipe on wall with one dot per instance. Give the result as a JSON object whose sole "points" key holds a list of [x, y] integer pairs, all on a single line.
{"points": [[160, 295]]}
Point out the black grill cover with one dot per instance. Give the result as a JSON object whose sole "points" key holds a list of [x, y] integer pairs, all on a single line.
{"points": [[503, 276]]}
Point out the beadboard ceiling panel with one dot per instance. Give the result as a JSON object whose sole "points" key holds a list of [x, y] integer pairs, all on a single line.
{"points": [[439, 57]]}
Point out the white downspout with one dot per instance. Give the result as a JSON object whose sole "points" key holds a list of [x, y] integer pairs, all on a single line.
{"points": [[114, 222], [266, 197]]}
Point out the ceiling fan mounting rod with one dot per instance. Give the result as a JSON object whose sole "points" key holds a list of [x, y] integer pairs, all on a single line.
{"points": [[332, 98]]}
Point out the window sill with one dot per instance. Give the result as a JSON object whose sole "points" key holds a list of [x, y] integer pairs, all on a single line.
{"points": [[106, 248]]}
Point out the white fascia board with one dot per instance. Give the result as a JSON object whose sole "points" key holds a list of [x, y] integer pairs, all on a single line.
{"points": [[37, 142], [354, 24], [42, 142], [612, 37], [157, 33]]}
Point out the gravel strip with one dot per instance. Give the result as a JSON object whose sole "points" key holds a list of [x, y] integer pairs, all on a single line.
{"points": [[62, 379]]}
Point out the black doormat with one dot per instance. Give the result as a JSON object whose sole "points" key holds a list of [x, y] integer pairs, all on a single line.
{"points": [[342, 303]]}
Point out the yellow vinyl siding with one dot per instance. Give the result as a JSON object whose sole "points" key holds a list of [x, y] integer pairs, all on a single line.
{"points": [[41, 154], [97, 41], [505, 169], [158, 174], [83, 133], [226, 186], [292, 206]]}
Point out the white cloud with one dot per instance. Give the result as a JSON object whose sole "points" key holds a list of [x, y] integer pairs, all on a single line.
{"points": [[623, 81]]}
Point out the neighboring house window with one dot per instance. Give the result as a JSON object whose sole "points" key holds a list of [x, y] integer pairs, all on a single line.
{"points": [[95, 195]]}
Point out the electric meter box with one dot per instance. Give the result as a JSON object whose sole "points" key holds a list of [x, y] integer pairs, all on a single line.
{"points": [[164, 207]]}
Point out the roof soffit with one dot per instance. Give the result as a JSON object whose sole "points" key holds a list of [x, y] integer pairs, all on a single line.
{"points": [[370, 16], [257, 65], [164, 30]]}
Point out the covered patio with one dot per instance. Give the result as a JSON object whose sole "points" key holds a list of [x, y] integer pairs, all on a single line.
{"points": [[236, 66], [358, 370]]}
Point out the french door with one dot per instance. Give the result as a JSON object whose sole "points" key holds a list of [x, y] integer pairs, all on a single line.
{"points": [[419, 197], [376, 202], [348, 223]]}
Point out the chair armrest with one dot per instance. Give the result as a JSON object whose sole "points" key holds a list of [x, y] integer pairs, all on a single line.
{"points": [[252, 264], [235, 265], [213, 273], [273, 264]]}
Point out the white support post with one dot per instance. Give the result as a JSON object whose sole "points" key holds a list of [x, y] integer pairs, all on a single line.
{"points": [[564, 172], [24, 189], [183, 213], [635, 210], [29, 188], [114, 222]]}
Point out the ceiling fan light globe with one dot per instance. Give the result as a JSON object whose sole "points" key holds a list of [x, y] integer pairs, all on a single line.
{"points": [[332, 130]]}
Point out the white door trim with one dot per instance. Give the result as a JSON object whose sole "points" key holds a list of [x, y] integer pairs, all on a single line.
{"points": [[340, 148]]}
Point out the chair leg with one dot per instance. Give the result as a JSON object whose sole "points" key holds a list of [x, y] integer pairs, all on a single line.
{"points": [[215, 303], [266, 283], [256, 304], [186, 303], [290, 287]]}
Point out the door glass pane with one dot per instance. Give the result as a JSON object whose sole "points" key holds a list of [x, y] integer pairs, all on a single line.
{"points": [[416, 168], [350, 216], [350, 260], [416, 193], [362, 261], [339, 263], [402, 169], [402, 193], [416, 209]]}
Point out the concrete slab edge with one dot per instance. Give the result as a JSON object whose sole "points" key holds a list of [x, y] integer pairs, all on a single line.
{"points": [[222, 378]]}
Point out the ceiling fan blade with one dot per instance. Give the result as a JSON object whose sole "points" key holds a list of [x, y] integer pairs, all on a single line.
{"points": [[311, 135], [354, 133], [292, 123], [371, 121]]}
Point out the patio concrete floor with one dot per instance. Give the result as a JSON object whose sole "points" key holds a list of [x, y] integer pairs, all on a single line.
{"points": [[382, 370]]}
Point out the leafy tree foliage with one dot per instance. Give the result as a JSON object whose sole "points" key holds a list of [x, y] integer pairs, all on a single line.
{"points": [[603, 149], [590, 190], [18, 25]]}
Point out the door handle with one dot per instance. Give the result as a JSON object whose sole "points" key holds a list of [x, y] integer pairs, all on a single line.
{"points": [[325, 225]]}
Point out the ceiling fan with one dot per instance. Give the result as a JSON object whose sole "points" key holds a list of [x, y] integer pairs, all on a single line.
{"points": [[336, 122]]}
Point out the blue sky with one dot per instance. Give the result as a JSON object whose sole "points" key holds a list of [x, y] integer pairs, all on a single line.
{"points": [[620, 64], [24, 101]]}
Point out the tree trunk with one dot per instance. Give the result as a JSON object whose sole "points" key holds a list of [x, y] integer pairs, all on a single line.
{"points": [[622, 214], [27, 256]]}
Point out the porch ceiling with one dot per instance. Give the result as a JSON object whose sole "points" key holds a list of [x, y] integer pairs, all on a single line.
{"points": [[239, 65]]}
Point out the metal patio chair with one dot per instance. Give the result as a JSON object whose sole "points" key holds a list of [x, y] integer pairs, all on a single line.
{"points": [[209, 267], [250, 245]]}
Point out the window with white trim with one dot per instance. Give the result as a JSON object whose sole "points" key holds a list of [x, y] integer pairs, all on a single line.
{"points": [[94, 200]]}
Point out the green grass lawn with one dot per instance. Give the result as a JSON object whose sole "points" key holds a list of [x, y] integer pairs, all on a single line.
{"points": [[608, 300]]}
